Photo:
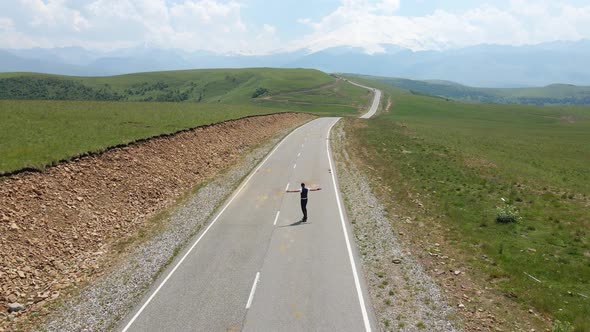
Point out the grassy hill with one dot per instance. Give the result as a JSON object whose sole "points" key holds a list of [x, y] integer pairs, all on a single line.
{"points": [[47, 118], [208, 85], [460, 160], [555, 94], [36, 134]]}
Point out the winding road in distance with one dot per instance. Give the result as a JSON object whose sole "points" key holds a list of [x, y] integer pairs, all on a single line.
{"points": [[256, 267], [376, 100]]}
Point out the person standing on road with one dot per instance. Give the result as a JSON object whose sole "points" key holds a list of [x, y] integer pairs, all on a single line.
{"points": [[303, 192]]}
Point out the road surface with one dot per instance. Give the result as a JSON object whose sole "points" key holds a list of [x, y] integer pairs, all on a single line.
{"points": [[376, 99], [256, 268]]}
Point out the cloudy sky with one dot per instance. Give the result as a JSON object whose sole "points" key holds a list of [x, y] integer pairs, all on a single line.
{"points": [[264, 26]]}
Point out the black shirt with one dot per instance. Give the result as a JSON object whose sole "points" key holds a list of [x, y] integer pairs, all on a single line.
{"points": [[304, 193]]}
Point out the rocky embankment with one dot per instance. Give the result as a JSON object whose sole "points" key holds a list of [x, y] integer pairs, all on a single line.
{"points": [[58, 226]]}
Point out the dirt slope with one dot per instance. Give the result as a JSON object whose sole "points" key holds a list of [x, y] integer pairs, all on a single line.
{"points": [[56, 225]]}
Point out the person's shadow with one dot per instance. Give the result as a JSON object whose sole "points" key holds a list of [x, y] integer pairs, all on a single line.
{"points": [[297, 223]]}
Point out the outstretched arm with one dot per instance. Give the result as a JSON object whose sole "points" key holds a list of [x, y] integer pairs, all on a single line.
{"points": [[315, 189], [294, 191]]}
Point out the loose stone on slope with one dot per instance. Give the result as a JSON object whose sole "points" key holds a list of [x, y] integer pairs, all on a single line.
{"points": [[14, 307]]}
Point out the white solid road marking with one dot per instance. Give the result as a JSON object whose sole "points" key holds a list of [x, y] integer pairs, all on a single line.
{"points": [[202, 235], [277, 217], [287, 187], [253, 291], [350, 255]]}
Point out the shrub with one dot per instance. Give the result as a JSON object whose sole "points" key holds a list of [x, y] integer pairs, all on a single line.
{"points": [[259, 92], [507, 214]]}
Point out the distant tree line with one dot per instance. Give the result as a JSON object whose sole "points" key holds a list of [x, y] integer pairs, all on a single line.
{"points": [[53, 88], [49, 88], [161, 92], [554, 101], [145, 87]]}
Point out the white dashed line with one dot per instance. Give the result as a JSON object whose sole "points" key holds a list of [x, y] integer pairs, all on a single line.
{"points": [[277, 217], [294, 166], [253, 291], [287, 187], [235, 194]]}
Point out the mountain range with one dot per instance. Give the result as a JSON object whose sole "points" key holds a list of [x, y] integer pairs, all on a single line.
{"points": [[479, 66]]}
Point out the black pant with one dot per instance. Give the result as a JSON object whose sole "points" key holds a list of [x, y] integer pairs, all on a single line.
{"points": [[304, 208]]}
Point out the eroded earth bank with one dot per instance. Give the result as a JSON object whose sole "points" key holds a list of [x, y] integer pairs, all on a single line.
{"points": [[65, 227]]}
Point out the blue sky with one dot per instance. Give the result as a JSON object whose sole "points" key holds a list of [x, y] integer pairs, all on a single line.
{"points": [[262, 26]]}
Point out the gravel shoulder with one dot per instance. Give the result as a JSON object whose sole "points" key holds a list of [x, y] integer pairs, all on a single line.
{"points": [[404, 296]]}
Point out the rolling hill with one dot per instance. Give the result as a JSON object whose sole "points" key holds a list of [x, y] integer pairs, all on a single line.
{"points": [[48, 118], [209, 85], [554, 94]]}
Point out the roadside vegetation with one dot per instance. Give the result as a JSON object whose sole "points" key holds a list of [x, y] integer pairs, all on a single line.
{"points": [[48, 118], [507, 187]]}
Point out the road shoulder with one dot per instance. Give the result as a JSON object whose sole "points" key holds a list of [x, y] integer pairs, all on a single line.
{"points": [[404, 297]]}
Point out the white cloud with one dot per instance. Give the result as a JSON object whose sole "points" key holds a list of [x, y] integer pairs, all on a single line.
{"points": [[382, 6], [188, 24], [207, 11], [6, 24], [10, 38], [219, 25], [269, 29], [363, 23], [387, 6], [53, 13]]}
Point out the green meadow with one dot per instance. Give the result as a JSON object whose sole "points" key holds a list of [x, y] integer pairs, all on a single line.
{"points": [[40, 133], [48, 118], [466, 160], [338, 99]]}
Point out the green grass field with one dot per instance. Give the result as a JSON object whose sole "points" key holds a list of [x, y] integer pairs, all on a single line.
{"points": [[38, 133], [337, 99], [464, 158]]}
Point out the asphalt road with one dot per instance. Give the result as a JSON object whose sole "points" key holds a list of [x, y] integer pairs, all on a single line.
{"points": [[256, 267], [376, 99]]}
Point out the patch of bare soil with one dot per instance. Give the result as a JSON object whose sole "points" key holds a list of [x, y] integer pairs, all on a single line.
{"points": [[568, 118], [479, 163], [57, 226]]}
